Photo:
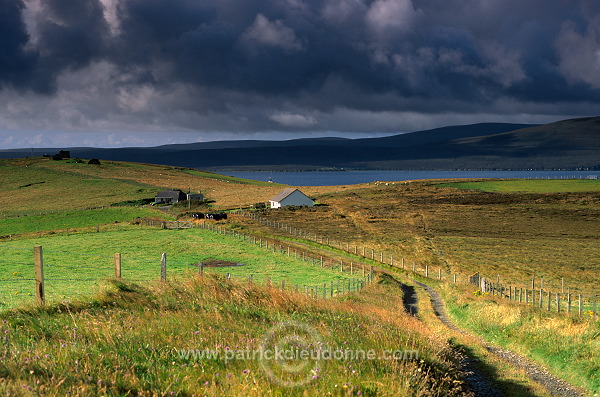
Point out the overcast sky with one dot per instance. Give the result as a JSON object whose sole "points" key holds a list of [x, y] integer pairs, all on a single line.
{"points": [[148, 72]]}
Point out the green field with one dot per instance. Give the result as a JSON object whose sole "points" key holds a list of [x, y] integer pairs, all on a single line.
{"points": [[530, 185], [27, 190], [77, 264], [227, 178], [60, 221]]}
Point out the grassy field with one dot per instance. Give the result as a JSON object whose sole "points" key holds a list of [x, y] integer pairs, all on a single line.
{"points": [[530, 185], [567, 345], [61, 221], [550, 236], [136, 340], [549, 230], [34, 189], [515, 229], [231, 179], [77, 264], [222, 191], [54, 185]]}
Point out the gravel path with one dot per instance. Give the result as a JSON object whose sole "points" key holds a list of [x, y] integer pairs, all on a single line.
{"points": [[477, 381], [482, 386]]}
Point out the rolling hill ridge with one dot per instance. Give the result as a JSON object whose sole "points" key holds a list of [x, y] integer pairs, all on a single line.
{"points": [[568, 144]]}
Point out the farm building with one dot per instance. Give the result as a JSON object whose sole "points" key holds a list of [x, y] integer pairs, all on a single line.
{"points": [[169, 196], [291, 196], [195, 197], [175, 196]]}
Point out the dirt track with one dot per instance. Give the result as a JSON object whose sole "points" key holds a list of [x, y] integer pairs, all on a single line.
{"points": [[482, 386]]}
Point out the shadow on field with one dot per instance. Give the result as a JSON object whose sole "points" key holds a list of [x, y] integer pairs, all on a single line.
{"points": [[484, 379]]}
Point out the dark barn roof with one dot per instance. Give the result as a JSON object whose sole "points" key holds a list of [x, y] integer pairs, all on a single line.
{"points": [[172, 194]]}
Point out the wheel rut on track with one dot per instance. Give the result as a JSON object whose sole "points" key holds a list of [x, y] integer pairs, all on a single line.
{"points": [[483, 387]]}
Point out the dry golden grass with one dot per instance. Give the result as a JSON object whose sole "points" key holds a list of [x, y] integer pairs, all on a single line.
{"points": [[566, 345], [130, 342], [225, 194], [515, 235]]}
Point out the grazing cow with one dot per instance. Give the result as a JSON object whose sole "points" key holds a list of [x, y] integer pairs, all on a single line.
{"points": [[198, 215], [216, 216]]}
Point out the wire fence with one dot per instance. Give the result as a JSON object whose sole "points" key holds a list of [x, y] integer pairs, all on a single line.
{"points": [[67, 275], [583, 304]]}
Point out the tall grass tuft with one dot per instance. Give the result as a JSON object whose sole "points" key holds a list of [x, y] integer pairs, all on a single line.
{"points": [[568, 346], [145, 340]]}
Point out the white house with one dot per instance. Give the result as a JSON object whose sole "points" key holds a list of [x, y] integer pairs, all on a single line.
{"points": [[291, 196]]}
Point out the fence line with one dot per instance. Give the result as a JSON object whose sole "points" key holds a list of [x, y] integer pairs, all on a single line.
{"points": [[325, 290], [543, 298]]}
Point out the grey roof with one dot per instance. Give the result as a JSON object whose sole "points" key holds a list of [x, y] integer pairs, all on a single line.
{"points": [[284, 193], [174, 194]]}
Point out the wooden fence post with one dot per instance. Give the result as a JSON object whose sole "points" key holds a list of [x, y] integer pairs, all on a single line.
{"points": [[118, 266], [39, 274], [201, 268], [549, 296], [580, 305], [520, 299], [541, 298], [426, 270], [163, 267], [558, 303]]}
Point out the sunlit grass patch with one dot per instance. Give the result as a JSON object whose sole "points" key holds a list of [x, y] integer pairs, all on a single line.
{"points": [[568, 345], [77, 264], [530, 185], [143, 340]]}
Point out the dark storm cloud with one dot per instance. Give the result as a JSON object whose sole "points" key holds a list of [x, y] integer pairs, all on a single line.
{"points": [[70, 34], [73, 33], [296, 64], [16, 62], [470, 51]]}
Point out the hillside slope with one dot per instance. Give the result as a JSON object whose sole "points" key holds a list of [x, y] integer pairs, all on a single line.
{"points": [[306, 153], [568, 144]]}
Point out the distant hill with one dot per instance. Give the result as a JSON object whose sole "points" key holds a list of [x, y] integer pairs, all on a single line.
{"points": [[568, 144]]}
